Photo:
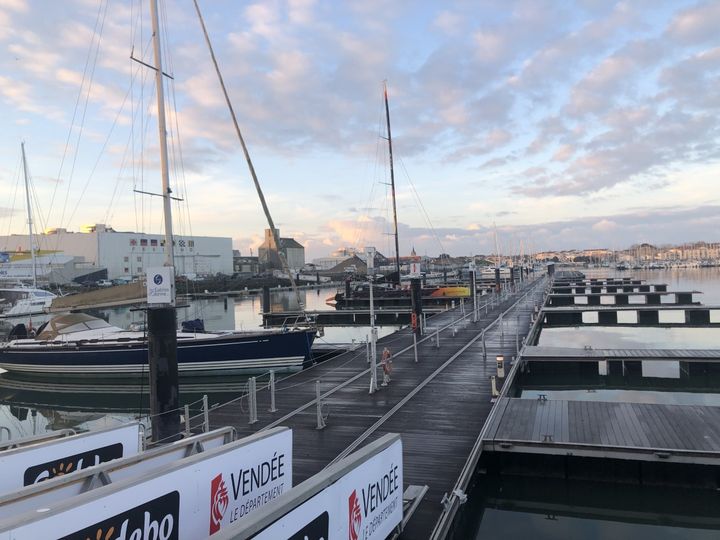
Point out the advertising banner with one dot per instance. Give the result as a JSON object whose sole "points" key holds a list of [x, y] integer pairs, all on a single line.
{"points": [[29, 465], [364, 504], [159, 284], [192, 498]]}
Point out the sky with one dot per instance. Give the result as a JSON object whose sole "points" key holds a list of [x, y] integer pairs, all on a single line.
{"points": [[551, 125]]}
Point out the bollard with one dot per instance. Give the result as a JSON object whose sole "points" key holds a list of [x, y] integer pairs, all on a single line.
{"points": [[187, 420], [206, 414], [493, 388], [367, 348], [272, 392], [320, 420], [500, 359], [483, 346], [517, 336], [415, 347], [437, 337], [502, 326]]}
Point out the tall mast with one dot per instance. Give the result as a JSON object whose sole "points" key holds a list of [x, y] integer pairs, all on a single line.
{"points": [[29, 215], [392, 182], [251, 167], [167, 210]]}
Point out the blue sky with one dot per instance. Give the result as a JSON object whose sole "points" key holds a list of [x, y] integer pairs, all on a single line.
{"points": [[560, 124]]}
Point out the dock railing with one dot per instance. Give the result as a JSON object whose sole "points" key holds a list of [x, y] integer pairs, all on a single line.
{"points": [[458, 496], [199, 418]]}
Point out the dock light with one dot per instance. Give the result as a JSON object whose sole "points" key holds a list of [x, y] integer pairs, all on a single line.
{"points": [[500, 359]]}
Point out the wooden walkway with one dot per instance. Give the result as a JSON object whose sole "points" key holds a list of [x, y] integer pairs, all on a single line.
{"points": [[563, 354], [650, 432], [629, 307], [438, 404]]}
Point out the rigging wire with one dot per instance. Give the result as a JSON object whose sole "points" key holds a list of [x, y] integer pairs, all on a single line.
{"points": [[421, 205], [18, 168], [84, 112], [75, 110]]}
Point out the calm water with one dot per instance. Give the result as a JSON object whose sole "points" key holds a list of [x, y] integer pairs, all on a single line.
{"points": [[523, 508], [29, 406]]}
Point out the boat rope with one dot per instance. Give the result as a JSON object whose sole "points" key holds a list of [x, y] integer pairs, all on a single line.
{"points": [[266, 210]]}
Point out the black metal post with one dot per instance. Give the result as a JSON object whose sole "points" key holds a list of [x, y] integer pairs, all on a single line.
{"points": [[162, 357]]}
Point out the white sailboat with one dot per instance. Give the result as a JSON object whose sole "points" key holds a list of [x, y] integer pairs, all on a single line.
{"points": [[21, 300]]}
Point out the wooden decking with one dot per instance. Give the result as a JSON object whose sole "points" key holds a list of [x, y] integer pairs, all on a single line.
{"points": [[438, 404], [606, 429], [563, 354], [629, 307]]}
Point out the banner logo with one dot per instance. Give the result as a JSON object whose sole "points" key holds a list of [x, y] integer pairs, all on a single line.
{"points": [[354, 516], [153, 520], [69, 464], [317, 529], [219, 502]]}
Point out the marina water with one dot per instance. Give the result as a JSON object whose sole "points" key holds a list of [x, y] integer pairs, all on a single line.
{"points": [[542, 508]]}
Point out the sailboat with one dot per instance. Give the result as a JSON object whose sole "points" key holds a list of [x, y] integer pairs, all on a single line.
{"points": [[359, 296], [77, 344], [20, 300]]}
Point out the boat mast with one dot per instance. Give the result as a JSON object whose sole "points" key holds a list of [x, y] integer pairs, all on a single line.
{"points": [[29, 215], [392, 182], [251, 167], [166, 191]]}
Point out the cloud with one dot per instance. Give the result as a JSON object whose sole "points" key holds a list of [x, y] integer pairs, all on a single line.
{"points": [[696, 24]]}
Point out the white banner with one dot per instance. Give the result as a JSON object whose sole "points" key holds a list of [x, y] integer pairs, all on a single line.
{"points": [[39, 462], [365, 504], [159, 284], [191, 499]]}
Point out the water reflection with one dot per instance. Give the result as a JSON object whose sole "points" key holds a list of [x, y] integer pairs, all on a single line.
{"points": [[615, 337], [547, 509]]}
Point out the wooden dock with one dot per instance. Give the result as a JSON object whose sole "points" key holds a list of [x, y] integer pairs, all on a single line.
{"points": [[636, 431], [439, 404], [349, 317], [566, 354]]}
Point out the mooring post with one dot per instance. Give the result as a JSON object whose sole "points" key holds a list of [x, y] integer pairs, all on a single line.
{"points": [[415, 347], [367, 348], [320, 419], [437, 337], [502, 326], [206, 414], [164, 387], [272, 391]]}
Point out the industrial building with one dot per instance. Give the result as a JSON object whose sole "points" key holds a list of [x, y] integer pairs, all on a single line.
{"points": [[268, 254], [122, 254]]}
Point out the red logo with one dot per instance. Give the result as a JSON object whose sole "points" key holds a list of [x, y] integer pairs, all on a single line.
{"points": [[218, 502], [354, 516]]}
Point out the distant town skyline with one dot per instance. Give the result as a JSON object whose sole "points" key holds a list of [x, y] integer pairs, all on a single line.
{"points": [[560, 125]]}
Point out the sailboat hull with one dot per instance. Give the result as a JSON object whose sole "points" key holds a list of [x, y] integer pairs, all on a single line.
{"points": [[232, 354]]}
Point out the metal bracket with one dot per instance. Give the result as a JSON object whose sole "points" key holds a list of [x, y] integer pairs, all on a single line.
{"points": [[196, 448], [97, 480]]}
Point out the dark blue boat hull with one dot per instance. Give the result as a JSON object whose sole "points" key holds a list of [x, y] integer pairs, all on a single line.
{"points": [[228, 354]]}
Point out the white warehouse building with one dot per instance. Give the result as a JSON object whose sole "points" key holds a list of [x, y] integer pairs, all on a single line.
{"points": [[128, 254]]}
